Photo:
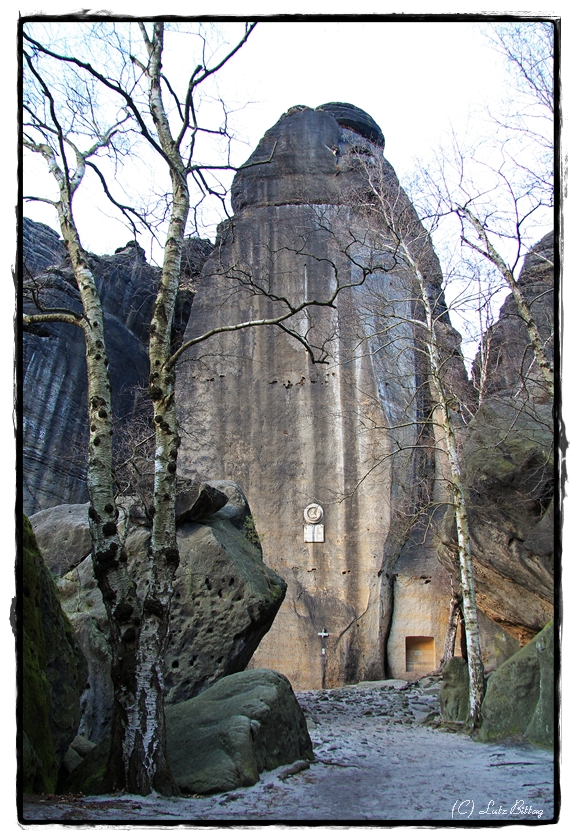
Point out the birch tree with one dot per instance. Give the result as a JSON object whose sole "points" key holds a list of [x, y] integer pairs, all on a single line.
{"points": [[496, 194], [44, 133], [169, 124], [139, 630]]}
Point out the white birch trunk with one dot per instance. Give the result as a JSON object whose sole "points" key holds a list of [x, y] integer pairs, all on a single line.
{"points": [[465, 561], [149, 769]]}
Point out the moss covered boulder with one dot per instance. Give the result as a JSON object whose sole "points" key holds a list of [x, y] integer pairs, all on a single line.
{"points": [[53, 673], [519, 698], [246, 723]]}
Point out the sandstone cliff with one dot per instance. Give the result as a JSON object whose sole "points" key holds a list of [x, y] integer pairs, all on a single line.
{"points": [[54, 400], [509, 467], [256, 409]]}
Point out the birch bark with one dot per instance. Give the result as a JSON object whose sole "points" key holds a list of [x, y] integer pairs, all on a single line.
{"points": [[109, 560]]}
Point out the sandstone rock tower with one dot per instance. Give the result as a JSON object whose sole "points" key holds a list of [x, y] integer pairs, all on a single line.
{"points": [[255, 409]]}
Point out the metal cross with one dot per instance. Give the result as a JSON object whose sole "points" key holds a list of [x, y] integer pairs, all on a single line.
{"points": [[323, 634]]}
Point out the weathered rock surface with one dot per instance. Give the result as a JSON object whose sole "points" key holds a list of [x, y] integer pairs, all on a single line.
{"points": [[300, 432], [519, 697], [454, 700], [510, 365], [53, 674], [422, 592], [54, 385], [63, 536], [508, 471], [246, 723], [42, 247], [54, 369], [225, 599]]}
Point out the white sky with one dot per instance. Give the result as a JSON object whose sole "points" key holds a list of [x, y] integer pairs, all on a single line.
{"points": [[414, 79]]}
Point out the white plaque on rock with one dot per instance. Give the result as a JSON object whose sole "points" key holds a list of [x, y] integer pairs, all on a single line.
{"points": [[313, 527], [313, 533]]}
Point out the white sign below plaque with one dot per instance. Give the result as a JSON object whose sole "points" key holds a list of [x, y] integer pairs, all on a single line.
{"points": [[313, 533]]}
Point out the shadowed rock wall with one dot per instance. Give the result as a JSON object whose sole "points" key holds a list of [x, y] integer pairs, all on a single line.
{"points": [[54, 402], [508, 466]]}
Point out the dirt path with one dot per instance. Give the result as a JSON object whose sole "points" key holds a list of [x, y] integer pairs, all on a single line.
{"points": [[375, 762]]}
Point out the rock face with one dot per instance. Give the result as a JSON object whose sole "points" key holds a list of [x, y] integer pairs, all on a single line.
{"points": [[519, 698], [508, 356], [54, 674], [54, 369], [508, 467], [42, 248], [454, 691], [246, 723], [367, 594], [225, 598], [421, 596], [255, 409], [509, 474], [63, 535], [54, 386]]}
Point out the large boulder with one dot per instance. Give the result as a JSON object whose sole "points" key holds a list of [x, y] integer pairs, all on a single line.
{"points": [[519, 698], [63, 536], [246, 723], [224, 601], [53, 673]]}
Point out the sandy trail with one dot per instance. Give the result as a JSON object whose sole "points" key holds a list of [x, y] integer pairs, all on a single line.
{"points": [[376, 762]]}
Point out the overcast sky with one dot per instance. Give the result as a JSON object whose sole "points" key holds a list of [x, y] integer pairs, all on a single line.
{"points": [[416, 79]]}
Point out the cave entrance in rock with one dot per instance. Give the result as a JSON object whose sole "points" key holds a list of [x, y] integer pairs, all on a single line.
{"points": [[420, 654]]}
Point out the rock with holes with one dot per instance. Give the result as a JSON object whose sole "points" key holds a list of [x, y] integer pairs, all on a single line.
{"points": [[63, 536], [225, 599]]}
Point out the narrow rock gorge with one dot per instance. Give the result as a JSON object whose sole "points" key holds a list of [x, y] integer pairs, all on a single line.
{"points": [[323, 443]]}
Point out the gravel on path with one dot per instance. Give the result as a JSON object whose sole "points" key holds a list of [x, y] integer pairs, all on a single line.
{"points": [[379, 759]]}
